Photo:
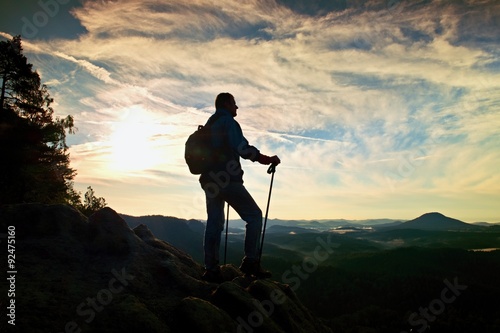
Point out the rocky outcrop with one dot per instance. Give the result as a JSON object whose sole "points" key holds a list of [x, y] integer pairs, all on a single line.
{"points": [[98, 275]]}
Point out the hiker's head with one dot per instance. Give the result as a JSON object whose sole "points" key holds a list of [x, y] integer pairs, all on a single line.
{"points": [[226, 101]]}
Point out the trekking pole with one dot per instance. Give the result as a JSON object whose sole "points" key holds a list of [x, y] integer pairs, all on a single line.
{"points": [[271, 170], [227, 226]]}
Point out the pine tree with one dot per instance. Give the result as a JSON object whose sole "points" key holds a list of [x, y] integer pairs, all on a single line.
{"points": [[34, 163], [91, 203]]}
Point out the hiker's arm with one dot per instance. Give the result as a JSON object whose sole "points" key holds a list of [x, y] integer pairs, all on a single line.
{"points": [[264, 159], [240, 145]]}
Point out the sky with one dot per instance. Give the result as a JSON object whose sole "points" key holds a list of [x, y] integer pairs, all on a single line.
{"points": [[377, 109]]}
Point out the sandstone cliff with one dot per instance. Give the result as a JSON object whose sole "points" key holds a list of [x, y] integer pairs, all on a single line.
{"points": [[97, 275]]}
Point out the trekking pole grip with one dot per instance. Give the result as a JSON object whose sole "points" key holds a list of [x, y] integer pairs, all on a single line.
{"points": [[271, 169]]}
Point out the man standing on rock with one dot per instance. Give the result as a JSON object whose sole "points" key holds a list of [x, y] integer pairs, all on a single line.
{"points": [[224, 183]]}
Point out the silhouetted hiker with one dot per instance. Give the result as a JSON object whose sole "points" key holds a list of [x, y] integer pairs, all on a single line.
{"points": [[224, 183]]}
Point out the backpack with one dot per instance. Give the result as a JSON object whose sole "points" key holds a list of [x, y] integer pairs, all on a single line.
{"points": [[199, 153]]}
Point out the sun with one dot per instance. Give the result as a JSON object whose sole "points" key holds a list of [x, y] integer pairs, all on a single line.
{"points": [[132, 144]]}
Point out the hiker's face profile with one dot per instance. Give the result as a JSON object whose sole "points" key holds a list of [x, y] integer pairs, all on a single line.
{"points": [[232, 107]]}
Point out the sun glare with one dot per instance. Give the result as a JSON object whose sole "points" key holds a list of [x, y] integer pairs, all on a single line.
{"points": [[133, 147]]}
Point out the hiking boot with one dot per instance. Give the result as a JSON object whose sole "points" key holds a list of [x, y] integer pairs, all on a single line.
{"points": [[213, 276], [252, 267]]}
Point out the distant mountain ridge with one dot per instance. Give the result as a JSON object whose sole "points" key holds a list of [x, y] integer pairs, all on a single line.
{"points": [[174, 229], [435, 221]]}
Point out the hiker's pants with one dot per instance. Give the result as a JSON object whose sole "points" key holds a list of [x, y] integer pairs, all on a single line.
{"points": [[242, 202]]}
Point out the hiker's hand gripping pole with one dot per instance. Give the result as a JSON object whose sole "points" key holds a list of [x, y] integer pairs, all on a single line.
{"points": [[271, 170]]}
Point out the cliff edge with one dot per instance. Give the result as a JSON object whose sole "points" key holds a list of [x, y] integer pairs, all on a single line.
{"points": [[98, 275]]}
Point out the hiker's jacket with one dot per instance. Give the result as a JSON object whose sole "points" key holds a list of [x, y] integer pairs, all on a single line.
{"points": [[230, 145]]}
